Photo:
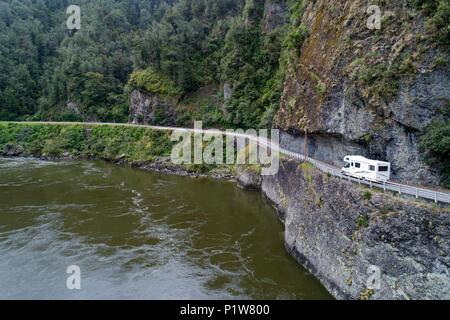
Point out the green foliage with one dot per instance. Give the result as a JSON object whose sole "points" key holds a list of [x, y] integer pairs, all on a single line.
{"points": [[363, 221], [174, 47], [320, 203], [384, 211], [438, 24], [435, 139], [382, 79], [307, 165], [297, 8], [295, 39], [43, 65], [427, 6], [68, 116], [139, 144], [154, 82], [438, 17], [53, 147], [88, 140], [177, 46], [251, 67], [440, 62], [321, 89], [347, 38], [367, 195], [202, 168]]}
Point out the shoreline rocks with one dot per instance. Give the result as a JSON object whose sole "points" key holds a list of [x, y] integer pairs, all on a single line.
{"points": [[339, 232]]}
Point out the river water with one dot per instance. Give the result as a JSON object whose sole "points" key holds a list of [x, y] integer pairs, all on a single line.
{"points": [[139, 235]]}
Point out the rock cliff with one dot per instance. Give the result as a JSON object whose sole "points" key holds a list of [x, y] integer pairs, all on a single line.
{"points": [[275, 15], [362, 91], [147, 108], [338, 231]]}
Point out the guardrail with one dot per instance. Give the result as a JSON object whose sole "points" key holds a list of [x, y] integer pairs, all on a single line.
{"points": [[416, 192], [391, 186]]}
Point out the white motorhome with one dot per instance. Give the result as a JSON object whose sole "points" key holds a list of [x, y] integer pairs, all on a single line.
{"points": [[372, 170]]}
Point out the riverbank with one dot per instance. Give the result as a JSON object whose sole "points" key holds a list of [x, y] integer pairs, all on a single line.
{"points": [[161, 165], [138, 147]]}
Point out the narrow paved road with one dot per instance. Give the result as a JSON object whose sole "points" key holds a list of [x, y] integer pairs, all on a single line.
{"points": [[418, 192]]}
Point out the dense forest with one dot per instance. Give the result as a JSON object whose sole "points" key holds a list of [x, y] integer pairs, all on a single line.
{"points": [[48, 72], [51, 73], [44, 65]]}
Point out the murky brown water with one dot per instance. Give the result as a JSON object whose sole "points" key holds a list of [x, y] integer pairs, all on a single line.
{"points": [[139, 235]]}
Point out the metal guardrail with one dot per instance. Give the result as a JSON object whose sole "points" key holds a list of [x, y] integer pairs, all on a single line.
{"points": [[401, 189], [386, 186]]}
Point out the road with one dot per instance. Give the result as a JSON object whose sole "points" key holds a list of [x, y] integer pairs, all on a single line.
{"points": [[415, 191]]}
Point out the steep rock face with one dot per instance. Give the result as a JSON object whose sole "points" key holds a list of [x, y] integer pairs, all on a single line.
{"points": [[337, 232], [227, 93], [248, 177], [146, 108], [275, 15], [72, 106], [368, 92]]}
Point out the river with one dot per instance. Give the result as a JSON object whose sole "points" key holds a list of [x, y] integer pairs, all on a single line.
{"points": [[136, 234]]}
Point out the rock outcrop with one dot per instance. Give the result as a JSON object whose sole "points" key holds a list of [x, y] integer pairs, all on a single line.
{"points": [[362, 91], [72, 106], [248, 177], [275, 15], [338, 231], [146, 108]]}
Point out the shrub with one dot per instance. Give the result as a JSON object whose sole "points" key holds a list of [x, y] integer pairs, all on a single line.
{"points": [[438, 16], [435, 139], [53, 147], [295, 39], [320, 89], [154, 82], [383, 80], [320, 203], [363, 221], [97, 141], [440, 61]]}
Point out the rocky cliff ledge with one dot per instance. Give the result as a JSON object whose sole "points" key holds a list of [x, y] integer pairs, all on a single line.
{"points": [[147, 108], [371, 92], [338, 230]]}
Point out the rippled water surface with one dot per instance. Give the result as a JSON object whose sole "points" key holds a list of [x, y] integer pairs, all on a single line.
{"points": [[139, 235]]}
